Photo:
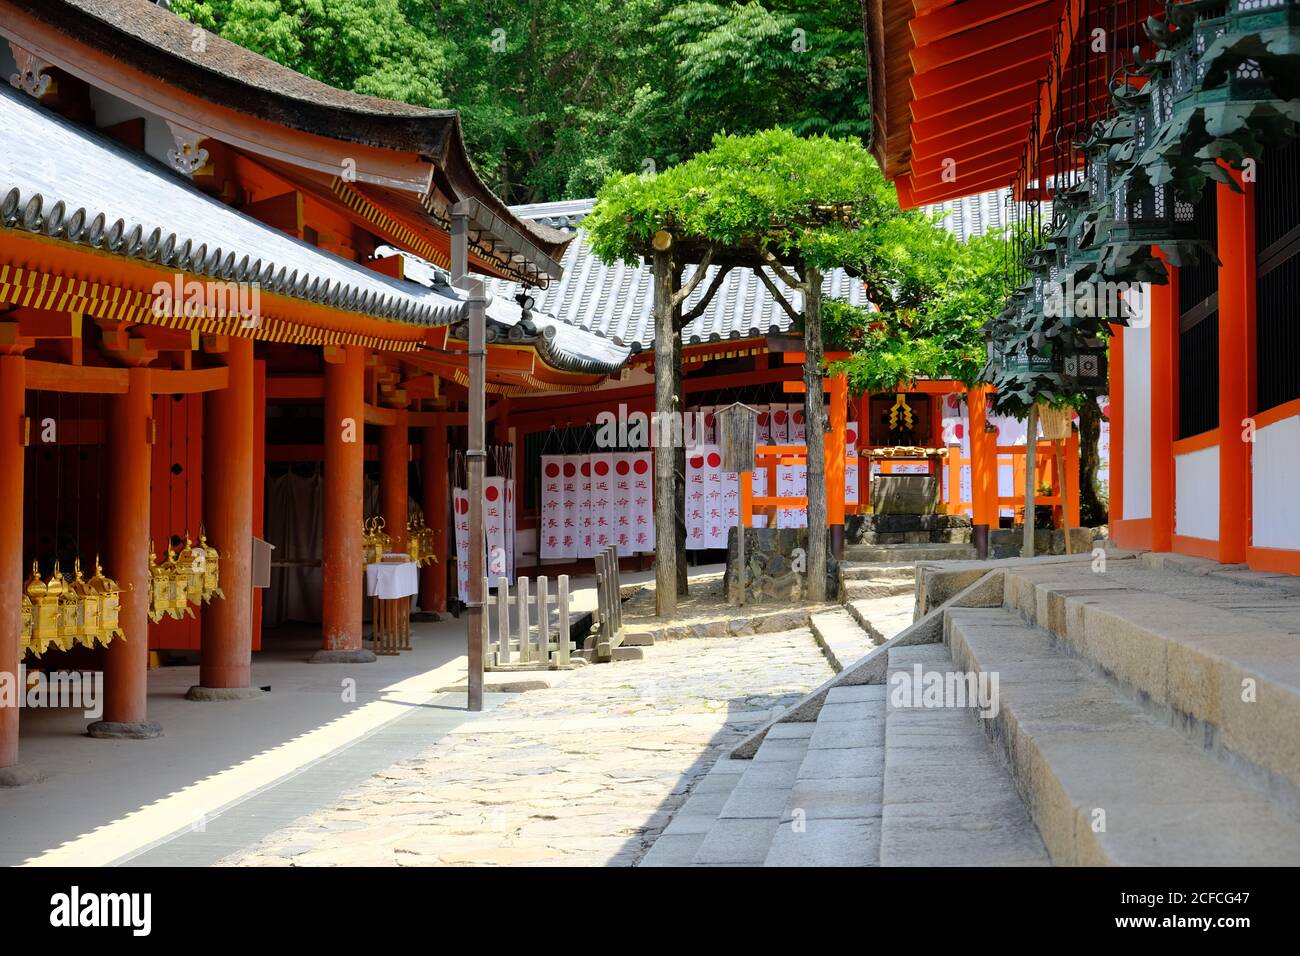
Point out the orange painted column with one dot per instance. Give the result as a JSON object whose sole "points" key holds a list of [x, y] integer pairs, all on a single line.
{"points": [[1164, 408], [126, 558], [226, 650], [344, 486], [433, 584], [394, 463], [983, 466], [13, 385], [1236, 249]]}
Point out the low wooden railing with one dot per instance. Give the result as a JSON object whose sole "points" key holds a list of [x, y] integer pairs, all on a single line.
{"points": [[518, 648], [607, 629]]}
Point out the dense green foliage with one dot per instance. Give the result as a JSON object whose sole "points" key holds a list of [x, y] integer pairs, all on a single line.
{"points": [[557, 95]]}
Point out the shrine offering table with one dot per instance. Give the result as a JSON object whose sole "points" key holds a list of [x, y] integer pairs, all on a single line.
{"points": [[391, 583]]}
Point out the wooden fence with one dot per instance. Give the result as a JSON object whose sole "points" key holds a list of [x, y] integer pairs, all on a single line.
{"points": [[530, 643], [608, 623]]}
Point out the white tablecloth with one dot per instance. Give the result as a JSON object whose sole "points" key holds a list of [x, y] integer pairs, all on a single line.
{"points": [[390, 580]]}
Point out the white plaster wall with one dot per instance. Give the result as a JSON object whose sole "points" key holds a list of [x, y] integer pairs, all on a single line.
{"points": [[1275, 464], [1196, 507], [1137, 411]]}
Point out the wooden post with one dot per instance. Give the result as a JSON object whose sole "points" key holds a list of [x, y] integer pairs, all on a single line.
{"points": [[1065, 501], [543, 621], [394, 465], [503, 621], [1164, 407], [474, 456], [13, 385], [433, 583], [226, 650], [525, 625], [1236, 248], [126, 558], [983, 468], [562, 595], [665, 505]]}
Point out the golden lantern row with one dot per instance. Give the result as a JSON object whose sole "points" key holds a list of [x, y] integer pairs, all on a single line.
{"points": [[375, 542], [419, 541], [64, 613], [191, 577]]}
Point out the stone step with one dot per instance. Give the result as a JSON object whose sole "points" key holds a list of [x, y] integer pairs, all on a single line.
{"points": [[831, 816], [1217, 658], [959, 535], [842, 637], [742, 832], [882, 617], [949, 799], [857, 588], [902, 553], [676, 846], [1106, 782], [878, 572]]}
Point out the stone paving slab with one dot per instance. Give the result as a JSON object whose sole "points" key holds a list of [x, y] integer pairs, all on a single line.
{"points": [[616, 758]]}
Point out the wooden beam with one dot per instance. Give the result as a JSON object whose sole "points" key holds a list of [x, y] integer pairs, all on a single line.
{"points": [[82, 379], [165, 381], [1038, 21], [301, 387], [377, 415]]}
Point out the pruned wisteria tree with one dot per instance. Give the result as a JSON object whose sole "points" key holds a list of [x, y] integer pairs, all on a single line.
{"points": [[786, 207]]}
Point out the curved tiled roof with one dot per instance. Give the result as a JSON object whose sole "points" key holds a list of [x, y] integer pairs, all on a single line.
{"points": [[61, 180]]}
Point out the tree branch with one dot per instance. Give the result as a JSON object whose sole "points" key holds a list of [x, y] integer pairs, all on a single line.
{"points": [[776, 294], [698, 309], [782, 273], [697, 276]]}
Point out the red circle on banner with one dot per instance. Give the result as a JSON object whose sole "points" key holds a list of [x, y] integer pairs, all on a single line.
{"points": [[1105, 409], [708, 420], [569, 469], [621, 467], [798, 418], [586, 469], [780, 418], [959, 430], [850, 436], [491, 493], [714, 459], [510, 495], [697, 461], [602, 468], [641, 466], [953, 401], [762, 418], [461, 506], [552, 470]]}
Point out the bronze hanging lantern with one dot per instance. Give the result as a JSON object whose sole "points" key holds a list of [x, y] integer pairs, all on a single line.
{"points": [[109, 596], [82, 622]]}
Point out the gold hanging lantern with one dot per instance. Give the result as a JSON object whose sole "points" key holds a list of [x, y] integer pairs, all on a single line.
{"points": [[82, 612], [29, 622], [168, 589], [180, 588], [374, 541], [45, 611], [211, 570], [109, 597]]}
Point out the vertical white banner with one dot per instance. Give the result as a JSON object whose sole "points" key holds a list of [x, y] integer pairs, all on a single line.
{"points": [[603, 507], [791, 482], [758, 484], [780, 424], [460, 512], [798, 425], [550, 532], [572, 518], [586, 543], [510, 529], [696, 499], [642, 509], [763, 428], [715, 527], [494, 527], [851, 480]]}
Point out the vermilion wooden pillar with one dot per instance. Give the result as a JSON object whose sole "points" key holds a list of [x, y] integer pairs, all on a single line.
{"points": [[226, 651], [344, 484], [1236, 249], [433, 584], [13, 384], [1164, 355], [126, 558], [394, 463], [1116, 418], [983, 469]]}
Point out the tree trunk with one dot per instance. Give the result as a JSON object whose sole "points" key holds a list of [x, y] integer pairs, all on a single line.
{"points": [[815, 432], [679, 454], [1031, 462], [666, 501], [1092, 510]]}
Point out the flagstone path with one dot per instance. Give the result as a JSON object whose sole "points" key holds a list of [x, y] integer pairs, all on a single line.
{"points": [[587, 772]]}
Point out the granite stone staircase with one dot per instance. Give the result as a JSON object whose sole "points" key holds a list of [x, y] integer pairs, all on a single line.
{"points": [[1147, 713]]}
